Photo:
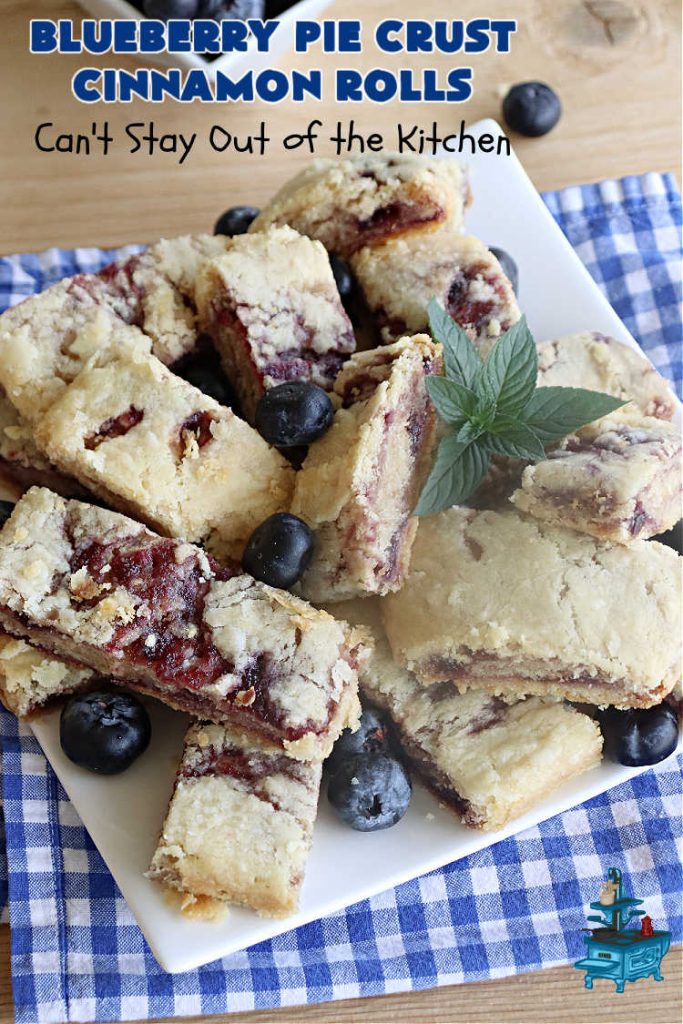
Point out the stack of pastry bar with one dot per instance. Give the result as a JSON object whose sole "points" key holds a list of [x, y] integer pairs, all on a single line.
{"points": [[122, 562]]}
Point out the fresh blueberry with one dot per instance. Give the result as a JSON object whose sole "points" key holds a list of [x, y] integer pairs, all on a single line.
{"points": [[342, 276], [370, 792], [293, 414], [673, 538], [165, 9], [6, 510], [279, 550], [531, 108], [372, 736], [104, 731], [640, 736], [236, 220], [508, 265]]}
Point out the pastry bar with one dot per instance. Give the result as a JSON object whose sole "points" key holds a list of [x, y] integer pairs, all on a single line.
{"points": [[94, 587], [359, 483], [22, 463], [30, 679], [617, 479], [489, 760], [399, 279], [239, 825], [599, 363], [271, 306], [515, 606], [347, 204], [155, 290], [155, 447], [46, 340]]}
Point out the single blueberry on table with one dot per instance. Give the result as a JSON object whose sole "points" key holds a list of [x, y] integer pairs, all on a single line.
{"points": [[342, 276], [640, 736], [279, 550], [372, 736], [293, 414], [508, 265], [104, 731], [236, 220], [532, 108], [6, 509], [370, 792]]}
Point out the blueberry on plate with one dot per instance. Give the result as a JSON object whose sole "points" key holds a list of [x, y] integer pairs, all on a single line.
{"points": [[673, 538], [293, 414], [6, 509], [370, 792], [532, 108], [508, 266], [236, 220], [104, 731], [279, 550], [342, 276], [640, 736], [372, 736], [165, 9]]}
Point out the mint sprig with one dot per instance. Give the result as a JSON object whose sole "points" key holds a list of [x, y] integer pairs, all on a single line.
{"points": [[493, 406]]}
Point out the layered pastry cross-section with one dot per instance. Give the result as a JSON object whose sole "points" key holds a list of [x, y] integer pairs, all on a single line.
{"points": [[617, 479], [488, 760], [514, 606], [271, 306], [359, 483], [365, 200], [96, 588], [400, 278], [239, 825]]}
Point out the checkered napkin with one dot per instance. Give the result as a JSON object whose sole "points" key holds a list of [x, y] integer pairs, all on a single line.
{"points": [[77, 953]]}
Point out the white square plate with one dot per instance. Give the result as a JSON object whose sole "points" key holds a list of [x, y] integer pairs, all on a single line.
{"points": [[123, 815]]}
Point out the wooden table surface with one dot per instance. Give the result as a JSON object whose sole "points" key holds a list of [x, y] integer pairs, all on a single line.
{"points": [[616, 66]]}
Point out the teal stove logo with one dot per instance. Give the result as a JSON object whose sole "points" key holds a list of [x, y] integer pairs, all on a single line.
{"points": [[615, 951]]}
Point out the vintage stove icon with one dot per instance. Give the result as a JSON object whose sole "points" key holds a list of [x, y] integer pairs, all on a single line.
{"points": [[615, 951]]}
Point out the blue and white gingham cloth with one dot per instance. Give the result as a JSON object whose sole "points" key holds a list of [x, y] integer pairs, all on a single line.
{"points": [[77, 954]]}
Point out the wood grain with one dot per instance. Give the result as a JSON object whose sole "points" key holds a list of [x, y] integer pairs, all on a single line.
{"points": [[616, 66]]}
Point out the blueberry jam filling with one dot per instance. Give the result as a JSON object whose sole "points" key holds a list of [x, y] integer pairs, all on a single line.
{"points": [[390, 220], [197, 427], [474, 313], [116, 426]]}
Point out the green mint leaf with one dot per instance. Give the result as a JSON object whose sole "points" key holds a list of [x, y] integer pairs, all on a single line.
{"points": [[469, 431], [552, 413], [514, 439], [457, 471], [461, 359], [509, 375], [453, 401]]}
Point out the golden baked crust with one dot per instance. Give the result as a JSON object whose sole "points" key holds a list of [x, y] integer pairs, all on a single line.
{"points": [[599, 363], [271, 307], [513, 606], [240, 822], [401, 277], [364, 200], [97, 588], [617, 479], [359, 483], [489, 760]]}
